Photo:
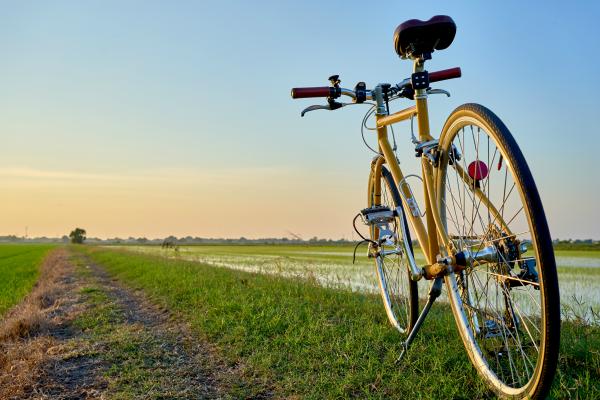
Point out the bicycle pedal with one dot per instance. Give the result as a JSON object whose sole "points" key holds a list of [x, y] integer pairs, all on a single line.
{"points": [[528, 273], [490, 329], [378, 215], [381, 217]]}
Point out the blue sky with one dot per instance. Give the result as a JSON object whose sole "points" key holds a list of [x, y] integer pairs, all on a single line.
{"points": [[138, 118]]}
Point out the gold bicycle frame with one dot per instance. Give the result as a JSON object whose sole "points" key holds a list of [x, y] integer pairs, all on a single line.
{"points": [[431, 232]]}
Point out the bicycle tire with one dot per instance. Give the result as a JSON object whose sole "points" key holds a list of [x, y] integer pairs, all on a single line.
{"points": [[398, 291], [492, 333]]}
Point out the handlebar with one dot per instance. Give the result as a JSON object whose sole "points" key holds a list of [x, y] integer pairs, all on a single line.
{"points": [[333, 92], [445, 74], [306, 92]]}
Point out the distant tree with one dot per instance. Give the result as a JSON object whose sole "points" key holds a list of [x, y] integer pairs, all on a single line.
{"points": [[168, 243], [77, 236]]}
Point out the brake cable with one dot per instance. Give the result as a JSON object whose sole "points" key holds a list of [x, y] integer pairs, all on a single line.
{"points": [[364, 239]]}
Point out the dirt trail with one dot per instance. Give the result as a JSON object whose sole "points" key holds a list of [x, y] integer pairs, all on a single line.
{"points": [[81, 335]]}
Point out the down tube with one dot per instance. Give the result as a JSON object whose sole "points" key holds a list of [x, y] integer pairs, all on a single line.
{"points": [[415, 221]]}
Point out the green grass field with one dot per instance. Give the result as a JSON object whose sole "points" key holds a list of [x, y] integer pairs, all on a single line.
{"points": [[331, 266], [19, 267], [297, 337]]}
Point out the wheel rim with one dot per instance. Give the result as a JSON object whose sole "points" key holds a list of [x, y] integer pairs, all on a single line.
{"points": [[501, 302], [393, 272]]}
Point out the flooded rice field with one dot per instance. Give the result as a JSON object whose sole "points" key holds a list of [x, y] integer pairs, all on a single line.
{"points": [[579, 271]]}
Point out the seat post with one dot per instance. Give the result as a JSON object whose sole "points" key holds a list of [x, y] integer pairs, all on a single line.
{"points": [[425, 136], [421, 100]]}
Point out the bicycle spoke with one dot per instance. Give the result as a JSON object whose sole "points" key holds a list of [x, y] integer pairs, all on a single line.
{"points": [[501, 301], [398, 291]]}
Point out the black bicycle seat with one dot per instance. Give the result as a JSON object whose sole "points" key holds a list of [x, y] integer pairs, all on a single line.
{"points": [[414, 38]]}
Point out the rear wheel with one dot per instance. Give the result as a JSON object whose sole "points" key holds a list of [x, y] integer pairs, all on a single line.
{"points": [[398, 291], [506, 306]]}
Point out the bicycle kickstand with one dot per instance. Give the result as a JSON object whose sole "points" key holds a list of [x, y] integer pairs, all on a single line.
{"points": [[434, 292]]}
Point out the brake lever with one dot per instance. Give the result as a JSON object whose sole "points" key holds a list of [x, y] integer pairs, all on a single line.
{"points": [[438, 91], [333, 105], [313, 108]]}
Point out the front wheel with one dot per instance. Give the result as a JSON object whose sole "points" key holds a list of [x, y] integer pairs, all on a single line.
{"points": [[398, 291], [506, 304]]}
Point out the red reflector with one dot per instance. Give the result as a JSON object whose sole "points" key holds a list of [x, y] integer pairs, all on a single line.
{"points": [[478, 170]]}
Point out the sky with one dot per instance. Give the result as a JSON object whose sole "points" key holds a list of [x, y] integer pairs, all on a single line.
{"points": [[155, 118]]}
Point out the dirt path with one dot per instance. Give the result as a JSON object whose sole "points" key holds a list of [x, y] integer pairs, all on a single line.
{"points": [[81, 335]]}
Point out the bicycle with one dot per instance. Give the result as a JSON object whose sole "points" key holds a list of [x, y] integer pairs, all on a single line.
{"points": [[483, 230]]}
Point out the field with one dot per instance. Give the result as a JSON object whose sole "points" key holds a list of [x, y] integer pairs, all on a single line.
{"points": [[19, 268], [579, 271], [316, 342], [200, 322]]}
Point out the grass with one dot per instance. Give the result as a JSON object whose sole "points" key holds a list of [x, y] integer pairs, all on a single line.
{"points": [[129, 354], [301, 339], [331, 265], [19, 270], [132, 364], [138, 359]]}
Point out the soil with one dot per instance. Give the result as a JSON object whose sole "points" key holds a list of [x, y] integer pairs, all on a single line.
{"points": [[45, 355]]}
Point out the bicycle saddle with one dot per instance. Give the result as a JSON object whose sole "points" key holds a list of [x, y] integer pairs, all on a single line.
{"points": [[414, 38]]}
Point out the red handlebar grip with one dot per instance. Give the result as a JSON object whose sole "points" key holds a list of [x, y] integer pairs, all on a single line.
{"points": [[321, 91], [445, 74]]}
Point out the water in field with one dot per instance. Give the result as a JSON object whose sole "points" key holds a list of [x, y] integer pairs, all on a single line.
{"points": [[579, 271]]}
